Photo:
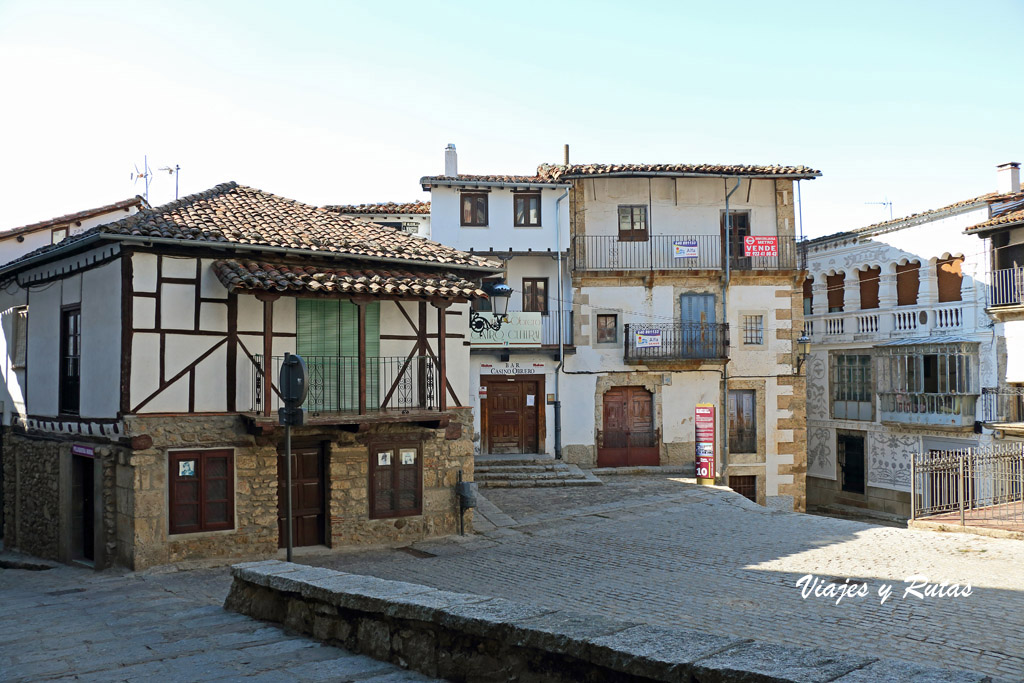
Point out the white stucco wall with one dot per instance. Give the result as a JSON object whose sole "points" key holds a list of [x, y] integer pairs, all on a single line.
{"points": [[101, 341], [11, 248], [500, 234]]}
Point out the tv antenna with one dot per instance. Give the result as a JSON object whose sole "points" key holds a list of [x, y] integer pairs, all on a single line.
{"points": [[145, 174], [175, 172], [885, 203]]}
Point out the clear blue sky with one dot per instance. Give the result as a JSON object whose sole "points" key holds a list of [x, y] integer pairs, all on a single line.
{"points": [[350, 102]]}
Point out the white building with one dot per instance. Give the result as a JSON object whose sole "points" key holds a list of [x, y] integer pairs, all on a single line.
{"points": [[410, 217], [904, 351], [516, 219]]}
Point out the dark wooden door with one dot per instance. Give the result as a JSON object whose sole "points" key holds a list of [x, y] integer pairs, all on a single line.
{"points": [[628, 437], [309, 487], [512, 408], [83, 543], [851, 461]]}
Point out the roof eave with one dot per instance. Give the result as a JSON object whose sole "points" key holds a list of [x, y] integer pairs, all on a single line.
{"points": [[686, 174], [989, 229], [427, 183]]}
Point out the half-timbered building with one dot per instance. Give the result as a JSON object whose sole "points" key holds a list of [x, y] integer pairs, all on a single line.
{"points": [[140, 407]]}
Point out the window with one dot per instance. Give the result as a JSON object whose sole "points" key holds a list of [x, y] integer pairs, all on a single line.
{"points": [[745, 485], [742, 421], [921, 380], [58, 235], [535, 294], [739, 227], [396, 480], [633, 223], [950, 277], [527, 209], [852, 390], [753, 329], [474, 209], [907, 283], [809, 296], [835, 288], [869, 278], [201, 491], [19, 353], [70, 358], [607, 328], [327, 337]]}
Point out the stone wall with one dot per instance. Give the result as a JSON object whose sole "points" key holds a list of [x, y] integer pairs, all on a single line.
{"points": [[465, 637]]}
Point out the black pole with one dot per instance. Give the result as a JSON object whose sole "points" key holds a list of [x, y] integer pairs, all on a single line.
{"points": [[288, 490]]}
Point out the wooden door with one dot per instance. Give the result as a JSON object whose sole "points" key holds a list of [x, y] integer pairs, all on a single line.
{"points": [[851, 462], [628, 436], [309, 487], [512, 414]]}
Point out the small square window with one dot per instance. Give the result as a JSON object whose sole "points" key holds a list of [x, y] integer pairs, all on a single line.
{"points": [[527, 209], [753, 329], [474, 209], [201, 488], [58, 235], [633, 223], [607, 328]]}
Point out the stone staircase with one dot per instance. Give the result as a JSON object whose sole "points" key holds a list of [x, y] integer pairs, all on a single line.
{"points": [[529, 472]]}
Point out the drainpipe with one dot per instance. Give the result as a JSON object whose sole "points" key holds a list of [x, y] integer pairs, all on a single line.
{"points": [[561, 336], [724, 419]]}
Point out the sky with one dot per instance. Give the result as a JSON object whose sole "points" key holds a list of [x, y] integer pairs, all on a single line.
{"points": [[345, 102]]}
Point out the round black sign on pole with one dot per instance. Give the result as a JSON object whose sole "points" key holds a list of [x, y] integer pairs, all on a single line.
{"points": [[292, 383]]}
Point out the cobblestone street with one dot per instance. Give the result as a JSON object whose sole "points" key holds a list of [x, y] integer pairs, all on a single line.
{"points": [[662, 551]]}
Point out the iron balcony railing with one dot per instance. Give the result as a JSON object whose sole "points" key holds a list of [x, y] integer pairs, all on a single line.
{"points": [[549, 328], [928, 408], [398, 383], [1002, 404], [675, 252], [675, 341], [975, 486], [1007, 287]]}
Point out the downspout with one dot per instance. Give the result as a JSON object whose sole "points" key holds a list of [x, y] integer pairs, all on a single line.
{"points": [[724, 419], [561, 336]]}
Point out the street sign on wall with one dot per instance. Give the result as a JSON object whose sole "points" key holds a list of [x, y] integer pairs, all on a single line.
{"points": [[519, 329], [704, 422]]}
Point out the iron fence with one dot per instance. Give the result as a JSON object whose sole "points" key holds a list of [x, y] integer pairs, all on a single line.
{"points": [[676, 341], [1007, 287], [392, 383], [974, 486], [676, 252], [1002, 404]]}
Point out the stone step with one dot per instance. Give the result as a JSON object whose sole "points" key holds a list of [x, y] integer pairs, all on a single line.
{"points": [[513, 461], [522, 468], [537, 483], [562, 474], [533, 476]]}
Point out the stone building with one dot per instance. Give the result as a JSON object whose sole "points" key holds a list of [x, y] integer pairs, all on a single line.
{"points": [[141, 362]]}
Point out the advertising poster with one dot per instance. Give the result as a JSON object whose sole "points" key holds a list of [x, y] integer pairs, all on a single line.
{"points": [[648, 339], [757, 245], [704, 421], [684, 249]]}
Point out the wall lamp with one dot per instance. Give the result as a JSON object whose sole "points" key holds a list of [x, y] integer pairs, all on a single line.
{"points": [[804, 350], [500, 294]]}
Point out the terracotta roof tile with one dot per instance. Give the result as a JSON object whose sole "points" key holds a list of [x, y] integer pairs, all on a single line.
{"points": [[556, 173], [236, 214], [382, 207], [346, 277], [484, 179], [124, 204], [1007, 219]]}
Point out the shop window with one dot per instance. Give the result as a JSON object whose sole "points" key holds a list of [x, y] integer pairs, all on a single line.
{"points": [[396, 479], [201, 491]]}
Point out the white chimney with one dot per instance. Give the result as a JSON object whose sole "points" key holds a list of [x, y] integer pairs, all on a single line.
{"points": [[451, 161], [1009, 177]]}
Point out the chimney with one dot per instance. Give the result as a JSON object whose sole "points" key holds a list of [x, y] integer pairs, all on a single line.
{"points": [[451, 161], [567, 155], [1009, 177]]}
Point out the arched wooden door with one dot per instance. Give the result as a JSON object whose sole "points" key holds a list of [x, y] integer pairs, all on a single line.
{"points": [[628, 437]]}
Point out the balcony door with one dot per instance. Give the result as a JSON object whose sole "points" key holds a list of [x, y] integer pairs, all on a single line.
{"points": [[699, 332], [739, 227], [326, 336]]}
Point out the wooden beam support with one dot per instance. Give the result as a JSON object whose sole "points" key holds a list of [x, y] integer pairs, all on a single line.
{"points": [[442, 355], [421, 351], [268, 352], [361, 308]]}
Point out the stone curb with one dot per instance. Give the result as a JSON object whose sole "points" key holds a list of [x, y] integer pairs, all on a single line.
{"points": [[925, 525], [474, 637]]}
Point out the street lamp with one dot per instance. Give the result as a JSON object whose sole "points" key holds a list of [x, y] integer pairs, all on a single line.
{"points": [[804, 346], [500, 295]]}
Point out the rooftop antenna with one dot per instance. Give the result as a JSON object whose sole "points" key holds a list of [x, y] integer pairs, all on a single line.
{"points": [[175, 172], [885, 203], [144, 175]]}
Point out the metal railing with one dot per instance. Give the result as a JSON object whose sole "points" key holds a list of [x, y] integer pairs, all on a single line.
{"points": [[549, 328], [1007, 287], [392, 383], [928, 408], [674, 252], [978, 486], [1002, 404], [676, 341]]}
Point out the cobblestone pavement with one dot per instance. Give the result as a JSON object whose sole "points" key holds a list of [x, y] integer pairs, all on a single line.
{"points": [[72, 624], [667, 552]]}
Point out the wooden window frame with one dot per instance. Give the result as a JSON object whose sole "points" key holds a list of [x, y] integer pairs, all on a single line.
{"points": [[530, 300], [201, 457], [633, 234], [65, 380], [396, 447], [851, 380], [527, 223], [475, 220], [597, 328]]}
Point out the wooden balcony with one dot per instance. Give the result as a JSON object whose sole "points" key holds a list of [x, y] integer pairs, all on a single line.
{"points": [[675, 342]]}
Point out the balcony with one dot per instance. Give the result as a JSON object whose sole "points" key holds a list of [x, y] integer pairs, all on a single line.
{"points": [[530, 330], [1003, 406], [948, 410], [549, 329], [396, 387], [673, 253], [1007, 287], [872, 324], [675, 341]]}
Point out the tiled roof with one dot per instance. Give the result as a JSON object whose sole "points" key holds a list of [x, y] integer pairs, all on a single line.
{"points": [[485, 179], [382, 207], [1007, 219], [560, 172], [235, 214], [74, 217], [982, 199], [347, 277]]}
